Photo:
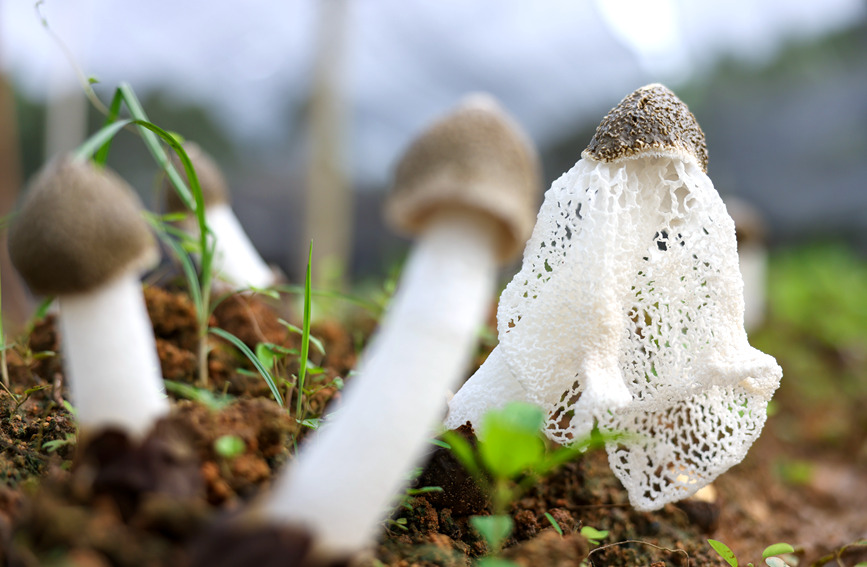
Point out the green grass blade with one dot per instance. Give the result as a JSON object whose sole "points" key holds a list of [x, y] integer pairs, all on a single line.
{"points": [[305, 335], [98, 141], [186, 263], [101, 156], [250, 355], [366, 304]]}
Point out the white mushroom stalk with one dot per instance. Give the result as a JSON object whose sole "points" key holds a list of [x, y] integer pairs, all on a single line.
{"points": [[80, 236], [467, 188], [236, 261], [628, 311]]}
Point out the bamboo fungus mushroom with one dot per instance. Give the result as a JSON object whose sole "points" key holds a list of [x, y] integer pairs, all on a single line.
{"points": [[236, 260], [466, 188], [79, 235], [628, 310]]}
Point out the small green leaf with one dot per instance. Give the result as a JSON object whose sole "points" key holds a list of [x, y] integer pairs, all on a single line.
{"points": [[554, 523], [266, 374], [593, 535], [265, 355], [495, 529], [229, 446], [777, 549], [495, 562], [204, 396], [43, 354], [463, 451], [423, 490], [439, 443], [724, 551], [509, 439]]}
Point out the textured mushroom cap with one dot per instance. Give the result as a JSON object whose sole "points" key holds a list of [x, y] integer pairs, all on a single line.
{"points": [[650, 120], [211, 179], [474, 158], [79, 227]]}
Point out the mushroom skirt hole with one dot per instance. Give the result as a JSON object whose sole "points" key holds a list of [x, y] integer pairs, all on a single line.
{"points": [[110, 358], [344, 480]]}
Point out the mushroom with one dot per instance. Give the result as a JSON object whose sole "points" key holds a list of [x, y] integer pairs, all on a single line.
{"points": [[236, 260], [752, 258], [628, 311], [79, 235], [466, 188]]}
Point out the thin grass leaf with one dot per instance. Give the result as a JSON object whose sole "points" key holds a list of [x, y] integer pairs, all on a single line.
{"points": [[98, 141], [313, 340], [101, 156], [203, 396], [252, 357], [554, 523], [366, 304], [186, 263], [305, 334]]}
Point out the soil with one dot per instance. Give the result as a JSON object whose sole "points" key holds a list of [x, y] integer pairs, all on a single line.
{"points": [[116, 502]]}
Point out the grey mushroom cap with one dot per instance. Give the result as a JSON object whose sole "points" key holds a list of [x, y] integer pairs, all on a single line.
{"points": [[474, 158], [650, 120], [79, 227], [215, 190]]}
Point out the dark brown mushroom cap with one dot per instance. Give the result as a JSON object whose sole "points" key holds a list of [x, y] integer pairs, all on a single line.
{"points": [[474, 158], [651, 120], [78, 228], [211, 179]]}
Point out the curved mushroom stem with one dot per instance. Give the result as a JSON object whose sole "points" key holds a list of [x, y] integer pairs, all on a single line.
{"points": [[111, 358], [236, 261], [343, 483], [492, 386]]}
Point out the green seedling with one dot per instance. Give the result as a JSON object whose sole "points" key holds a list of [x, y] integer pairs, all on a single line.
{"points": [[510, 456], [203, 396], [55, 444], [229, 446], [593, 535], [769, 555], [554, 523]]}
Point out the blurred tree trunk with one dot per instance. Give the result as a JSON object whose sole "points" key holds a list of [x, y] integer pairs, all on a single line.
{"points": [[17, 304], [329, 208]]}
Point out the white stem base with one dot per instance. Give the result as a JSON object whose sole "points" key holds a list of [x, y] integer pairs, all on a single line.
{"points": [[491, 387], [110, 358], [236, 260], [345, 480], [753, 263]]}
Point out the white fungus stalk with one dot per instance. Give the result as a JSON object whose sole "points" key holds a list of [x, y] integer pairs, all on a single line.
{"points": [[628, 311], [466, 188], [80, 235], [236, 261], [111, 359], [342, 485]]}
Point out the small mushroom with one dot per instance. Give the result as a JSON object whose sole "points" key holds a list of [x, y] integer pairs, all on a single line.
{"points": [[628, 311], [467, 189], [236, 260], [79, 235]]}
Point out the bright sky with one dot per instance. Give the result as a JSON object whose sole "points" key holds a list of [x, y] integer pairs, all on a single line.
{"points": [[550, 63]]}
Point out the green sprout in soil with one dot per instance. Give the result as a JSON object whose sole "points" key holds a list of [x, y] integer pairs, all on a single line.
{"points": [[769, 555], [510, 457]]}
